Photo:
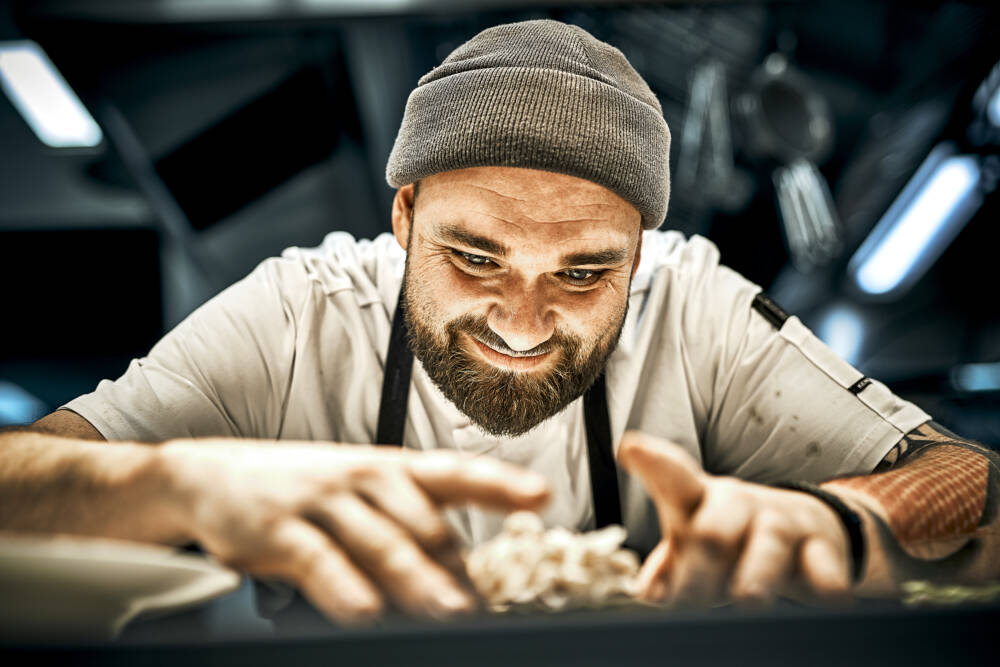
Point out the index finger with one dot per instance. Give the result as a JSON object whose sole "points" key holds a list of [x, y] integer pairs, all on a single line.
{"points": [[485, 481], [670, 475]]}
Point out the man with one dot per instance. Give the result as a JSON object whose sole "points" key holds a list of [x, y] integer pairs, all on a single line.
{"points": [[552, 335]]}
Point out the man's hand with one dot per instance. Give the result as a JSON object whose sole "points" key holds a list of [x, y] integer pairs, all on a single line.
{"points": [[353, 527], [728, 539]]}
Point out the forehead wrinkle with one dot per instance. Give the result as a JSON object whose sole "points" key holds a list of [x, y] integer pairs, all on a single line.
{"points": [[558, 221], [495, 192]]}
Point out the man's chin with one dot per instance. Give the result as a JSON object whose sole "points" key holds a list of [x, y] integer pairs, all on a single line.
{"points": [[503, 403], [505, 428]]}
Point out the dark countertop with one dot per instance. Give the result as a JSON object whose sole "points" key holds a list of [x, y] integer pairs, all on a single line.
{"points": [[868, 633]]}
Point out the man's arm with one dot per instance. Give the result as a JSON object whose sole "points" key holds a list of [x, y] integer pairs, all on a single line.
{"points": [[55, 478], [930, 510], [353, 526]]}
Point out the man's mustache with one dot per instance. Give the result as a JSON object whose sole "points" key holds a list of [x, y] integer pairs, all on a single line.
{"points": [[478, 328]]}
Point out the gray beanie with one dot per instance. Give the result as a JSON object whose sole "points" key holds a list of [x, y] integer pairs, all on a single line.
{"points": [[541, 95]]}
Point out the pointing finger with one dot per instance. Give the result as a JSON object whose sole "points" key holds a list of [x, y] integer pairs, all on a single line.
{"points": [[673, 479], [482, 480]]}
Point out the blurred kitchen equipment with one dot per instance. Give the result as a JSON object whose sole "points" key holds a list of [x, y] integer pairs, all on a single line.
{"points": [[69, 586], [786, 120], [810, 221], [706, 146]]}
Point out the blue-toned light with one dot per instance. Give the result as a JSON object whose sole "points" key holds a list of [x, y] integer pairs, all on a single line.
{"points": [[843, 331], [17, 406], [43, 97], [976, 377], [993, 108], [920, 224]]}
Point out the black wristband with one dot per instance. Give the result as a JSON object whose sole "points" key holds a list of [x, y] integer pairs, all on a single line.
{"points": [[848, 517]]}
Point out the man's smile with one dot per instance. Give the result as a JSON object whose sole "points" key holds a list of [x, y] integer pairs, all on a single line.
{"points": [[507, 361]]}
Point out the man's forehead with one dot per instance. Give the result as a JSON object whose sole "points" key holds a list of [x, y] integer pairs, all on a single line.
{"points": [[497, 203], [529, 188]]}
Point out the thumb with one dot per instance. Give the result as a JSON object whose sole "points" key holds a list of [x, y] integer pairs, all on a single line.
{"points": [[673, 479]]}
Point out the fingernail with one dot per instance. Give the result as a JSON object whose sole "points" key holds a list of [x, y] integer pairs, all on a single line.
{"points": [[364, 606], [534, 484], [657, 590], [455, 602]]}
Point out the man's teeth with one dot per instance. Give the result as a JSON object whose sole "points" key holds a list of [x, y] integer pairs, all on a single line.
{"points": [[511, 353]]}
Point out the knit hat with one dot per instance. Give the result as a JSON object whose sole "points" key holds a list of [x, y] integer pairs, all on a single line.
{"points": [[541, 95]]}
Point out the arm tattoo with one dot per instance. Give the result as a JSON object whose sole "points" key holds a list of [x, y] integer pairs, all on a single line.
{"points": [[934, 489]]}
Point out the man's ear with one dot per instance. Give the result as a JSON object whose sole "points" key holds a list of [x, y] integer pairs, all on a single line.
{"points": [[402, 215], [638, 255]]}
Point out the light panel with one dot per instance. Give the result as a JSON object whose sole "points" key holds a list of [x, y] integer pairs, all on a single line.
{"points": [[937, 202], [976, 377], [45, 100]]}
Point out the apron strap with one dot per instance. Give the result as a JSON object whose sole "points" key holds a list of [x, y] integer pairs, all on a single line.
{"points": [[395, 383], [600, 456]]}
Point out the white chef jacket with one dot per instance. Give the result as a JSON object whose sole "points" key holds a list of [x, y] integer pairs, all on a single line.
{"points": [[296, 350]]}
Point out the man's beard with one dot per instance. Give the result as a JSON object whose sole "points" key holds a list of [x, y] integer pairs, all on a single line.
{"points": [[503, 403]]}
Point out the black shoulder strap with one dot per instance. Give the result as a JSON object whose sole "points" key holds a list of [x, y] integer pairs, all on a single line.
{"points": [[770, 310], [395, 383], [600, 456]]}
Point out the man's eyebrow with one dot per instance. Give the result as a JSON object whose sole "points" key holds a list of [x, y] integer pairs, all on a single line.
{"points": [[467, 238], [606, 256], [455, 234]]}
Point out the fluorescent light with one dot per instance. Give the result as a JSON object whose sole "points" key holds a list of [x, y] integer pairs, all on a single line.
{"points": [[976, 377], [44, 98], [920, 224], [842, 329]]}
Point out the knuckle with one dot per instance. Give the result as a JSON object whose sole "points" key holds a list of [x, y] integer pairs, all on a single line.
{"points": [[399, 559], [444, 463], [436, 536], [731, 489], [365, 475], [771, 521], [712, 540]]}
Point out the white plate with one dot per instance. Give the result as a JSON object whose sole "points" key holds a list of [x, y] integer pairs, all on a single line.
{"points": [[67, 586]]}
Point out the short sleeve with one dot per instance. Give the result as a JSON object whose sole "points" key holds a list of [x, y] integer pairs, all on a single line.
{"points": [[783, 405], [222, 372]]}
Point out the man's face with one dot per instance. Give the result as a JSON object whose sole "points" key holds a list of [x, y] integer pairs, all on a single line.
{"points": [[516, 288]]}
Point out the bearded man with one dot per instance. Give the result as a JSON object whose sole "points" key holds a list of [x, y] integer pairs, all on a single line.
{"points": [[556, 335]]}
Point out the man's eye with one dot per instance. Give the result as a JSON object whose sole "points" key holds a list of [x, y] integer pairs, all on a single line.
{"points": [[476, 260], [580, 274]]}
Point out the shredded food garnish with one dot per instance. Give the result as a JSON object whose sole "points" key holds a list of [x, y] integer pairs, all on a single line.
{"points": [[526, 567]]}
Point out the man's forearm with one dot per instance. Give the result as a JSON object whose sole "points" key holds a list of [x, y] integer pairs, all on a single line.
{"points": [[54, 484], [930, 511]]}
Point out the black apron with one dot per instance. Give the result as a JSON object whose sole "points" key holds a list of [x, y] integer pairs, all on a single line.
{"points": [[600, 456]]}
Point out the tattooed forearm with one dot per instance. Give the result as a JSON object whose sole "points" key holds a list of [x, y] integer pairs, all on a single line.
{"points": [[934, 495], [923, 436]]}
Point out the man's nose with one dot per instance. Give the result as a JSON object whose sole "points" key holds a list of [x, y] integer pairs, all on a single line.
{"points": [[522, 318]]}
